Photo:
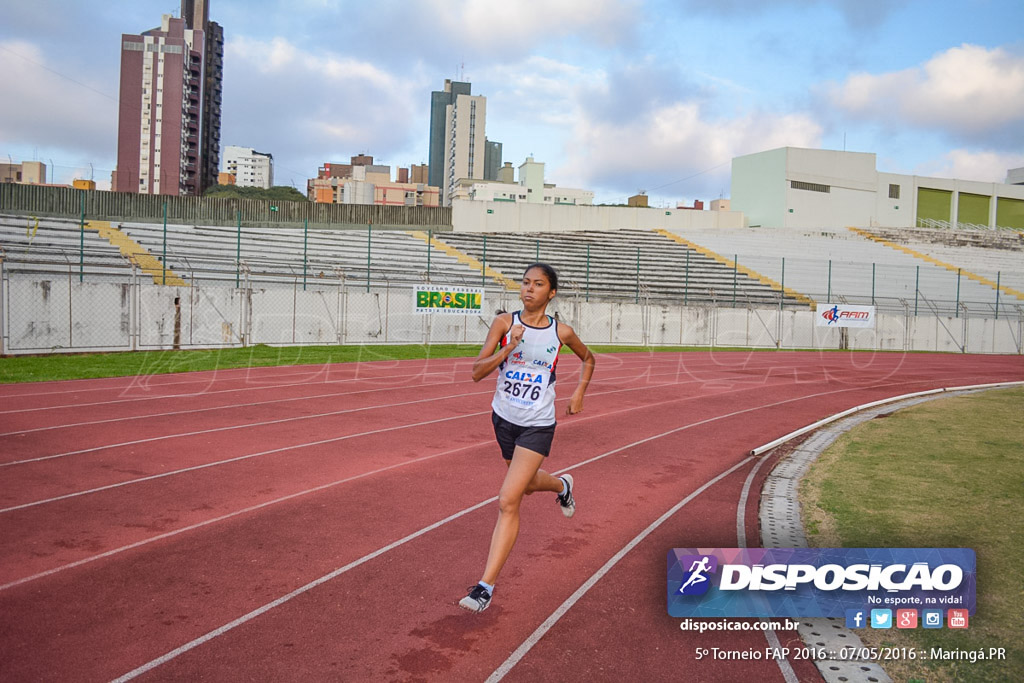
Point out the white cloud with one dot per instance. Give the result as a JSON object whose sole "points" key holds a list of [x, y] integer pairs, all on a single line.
{"points": [[39, 108], [307, 108], [675, 141], [984, 166], [967, 90], [524, 23]]}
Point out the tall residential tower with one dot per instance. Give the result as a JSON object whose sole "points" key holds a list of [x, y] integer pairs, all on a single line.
{"points": [[168, 132], [440, 100]]}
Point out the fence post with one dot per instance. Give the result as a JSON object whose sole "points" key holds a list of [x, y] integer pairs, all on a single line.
{"points": [[998, 275], [305, 252], [164, 264], [637, 300], [735, 265], [872, 284], [686, 278], [538, 249], [917, 287], [828, 297], [238, 248], [369, 239], [430, 238], [782, 291], [483, 270], [957, 308], [588, 272], [81, 241]]}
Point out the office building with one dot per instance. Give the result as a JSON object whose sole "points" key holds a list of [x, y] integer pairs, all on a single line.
{"points": [[249, 167], [465, 121], [440, 100]]}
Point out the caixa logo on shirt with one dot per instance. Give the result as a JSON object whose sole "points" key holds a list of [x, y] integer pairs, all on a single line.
{"points": [[816, 582]]}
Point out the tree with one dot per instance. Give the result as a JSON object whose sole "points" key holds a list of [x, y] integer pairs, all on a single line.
{"points": [[278, 193]]}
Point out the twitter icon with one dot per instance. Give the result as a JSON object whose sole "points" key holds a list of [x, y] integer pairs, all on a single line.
{"points": [[881, 618]]}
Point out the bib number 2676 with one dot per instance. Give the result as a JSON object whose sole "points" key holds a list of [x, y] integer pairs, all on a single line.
{"points": [[522, 390]]}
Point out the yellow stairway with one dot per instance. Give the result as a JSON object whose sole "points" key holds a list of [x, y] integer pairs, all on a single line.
{"points": [[136, 253], [942, 264], [466, 259], [802, 298]]}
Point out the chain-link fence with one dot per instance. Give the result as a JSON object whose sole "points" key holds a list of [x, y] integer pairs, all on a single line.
{"points": [[47, 307]]}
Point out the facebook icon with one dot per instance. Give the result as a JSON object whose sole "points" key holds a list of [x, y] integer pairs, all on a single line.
{"points": [[855, 618]]}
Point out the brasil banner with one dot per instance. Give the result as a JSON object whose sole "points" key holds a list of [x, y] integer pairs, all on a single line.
{"points": [[455, 300]]}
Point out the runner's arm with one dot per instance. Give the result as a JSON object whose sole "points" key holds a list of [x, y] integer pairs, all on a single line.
{"points": [[568, 337], [488, 361]]}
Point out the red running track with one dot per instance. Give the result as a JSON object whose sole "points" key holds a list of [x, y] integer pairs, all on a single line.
{"points": [[318, 523]]}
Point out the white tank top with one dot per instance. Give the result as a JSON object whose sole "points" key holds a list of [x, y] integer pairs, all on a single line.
{"points": [[525, 394]]}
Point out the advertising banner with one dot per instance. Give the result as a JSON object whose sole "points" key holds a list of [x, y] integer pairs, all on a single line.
{"points": [[818, 582], [453, 300], [842, 315]]}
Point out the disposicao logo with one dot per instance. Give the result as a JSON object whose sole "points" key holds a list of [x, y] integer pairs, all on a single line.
{"points": [[818, 582], [696, 580]]}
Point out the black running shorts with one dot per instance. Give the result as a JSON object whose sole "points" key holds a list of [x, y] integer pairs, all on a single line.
{"points": [[510, 435]]}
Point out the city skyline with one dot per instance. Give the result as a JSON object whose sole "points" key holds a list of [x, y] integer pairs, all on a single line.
{"points": [[615, 96]]}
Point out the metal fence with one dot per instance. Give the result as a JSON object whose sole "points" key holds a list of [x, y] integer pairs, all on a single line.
{"points": [[47, 309]]}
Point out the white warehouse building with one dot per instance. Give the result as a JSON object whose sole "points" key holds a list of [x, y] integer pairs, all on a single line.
{"points": [[792, 187], [250, 168]]}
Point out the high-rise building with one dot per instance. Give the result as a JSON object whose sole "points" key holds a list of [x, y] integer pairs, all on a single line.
{"points": [[440, 100], [250, 168], [196, 14], [168, 137], [158, 148], [465, 121], [492, 159]]}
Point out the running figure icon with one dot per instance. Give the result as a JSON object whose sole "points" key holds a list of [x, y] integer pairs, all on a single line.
{"points": [[697, 571]]}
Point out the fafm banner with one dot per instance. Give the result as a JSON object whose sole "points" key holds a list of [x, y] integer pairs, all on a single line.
{"points": [[843, 315], [816, 582]]}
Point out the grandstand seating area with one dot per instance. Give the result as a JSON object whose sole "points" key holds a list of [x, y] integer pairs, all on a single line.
{"points": [[905, 270], [622, 264]]}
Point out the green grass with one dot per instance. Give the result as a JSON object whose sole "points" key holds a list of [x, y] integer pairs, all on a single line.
{"points": [[948, 473], [88, 365], [41, 368]]}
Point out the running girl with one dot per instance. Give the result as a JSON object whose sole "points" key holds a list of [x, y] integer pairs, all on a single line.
{"points": [[524, 411]]}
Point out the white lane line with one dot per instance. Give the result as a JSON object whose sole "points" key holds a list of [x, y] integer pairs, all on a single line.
{"points": [[422, 373], [137, 544], [541, 630], [341, 438], [338, 572], [238, 426], [741, 539], [236, 513], [237, 459], [220, 375], [366, 558], [527, 645], [256, 403]]}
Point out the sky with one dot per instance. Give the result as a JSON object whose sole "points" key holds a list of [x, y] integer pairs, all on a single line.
{"points": [[614, 96]]}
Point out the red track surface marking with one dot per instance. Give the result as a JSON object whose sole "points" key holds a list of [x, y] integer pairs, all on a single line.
{"points": [[170, 561]]}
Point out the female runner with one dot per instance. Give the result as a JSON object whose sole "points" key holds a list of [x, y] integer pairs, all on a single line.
{"points": [[524, 411]]}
